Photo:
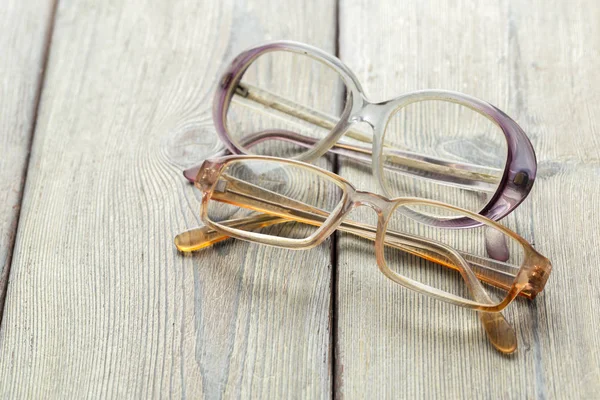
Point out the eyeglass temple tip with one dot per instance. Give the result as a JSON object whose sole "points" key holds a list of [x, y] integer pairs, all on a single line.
{"points": [[197, 239], [191, 173], [500, 333]]}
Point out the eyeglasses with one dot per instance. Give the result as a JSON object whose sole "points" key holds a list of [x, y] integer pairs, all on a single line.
{"points": [[419, 243], [292, 100]]}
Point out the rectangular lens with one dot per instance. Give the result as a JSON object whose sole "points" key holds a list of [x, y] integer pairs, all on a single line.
{"points": [[274, 198], [420, 251]]}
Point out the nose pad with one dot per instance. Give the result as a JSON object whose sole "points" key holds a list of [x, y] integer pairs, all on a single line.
{"points": [[358, 169], [377, 203], [367, 125], [191, 173], [360, 132], [372, 114], [352, 247], [363, 215]]}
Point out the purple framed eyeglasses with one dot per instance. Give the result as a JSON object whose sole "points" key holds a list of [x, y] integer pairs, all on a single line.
{"points": [[292, 100]]}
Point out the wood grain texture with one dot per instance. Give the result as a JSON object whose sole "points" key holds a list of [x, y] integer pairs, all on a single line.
{"points": [[100, 304], [23, 43], [538, 61]]}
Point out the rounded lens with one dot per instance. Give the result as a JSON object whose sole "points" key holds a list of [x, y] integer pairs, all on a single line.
{"points": [[284, 103], [428, 254], [443, 151], [273, 198]]}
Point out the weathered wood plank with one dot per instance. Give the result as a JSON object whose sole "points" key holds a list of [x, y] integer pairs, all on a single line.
{"points": [[23, 43], [538, 61], [100, 303]]}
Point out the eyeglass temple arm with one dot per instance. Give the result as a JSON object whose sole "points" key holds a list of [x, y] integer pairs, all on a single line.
{"points": [[243, 194], [404, 162], [495, 273], [468, 176], [495, 245]]}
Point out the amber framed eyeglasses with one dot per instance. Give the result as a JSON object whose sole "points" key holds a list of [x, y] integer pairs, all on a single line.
{"points": [[291, 204]]}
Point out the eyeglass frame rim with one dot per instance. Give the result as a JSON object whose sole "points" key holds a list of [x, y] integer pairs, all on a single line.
{"points": [[527, 277], [520, 159]]}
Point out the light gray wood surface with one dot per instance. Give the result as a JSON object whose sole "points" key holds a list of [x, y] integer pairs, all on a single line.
{"points": [[539, 62], [99, 302], [23, 43]]}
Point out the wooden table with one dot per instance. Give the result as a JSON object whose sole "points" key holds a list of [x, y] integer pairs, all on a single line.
{"points": [[103, 103]]}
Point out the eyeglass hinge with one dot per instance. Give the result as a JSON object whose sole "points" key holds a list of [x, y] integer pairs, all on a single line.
{"points": [[521, 179], [221, 186], [241, 90]]}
